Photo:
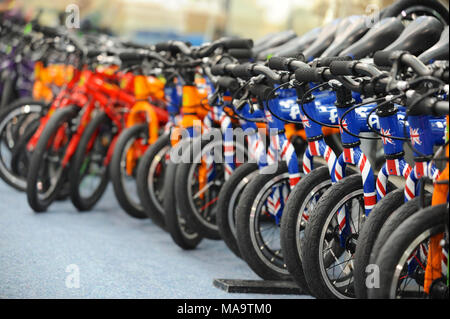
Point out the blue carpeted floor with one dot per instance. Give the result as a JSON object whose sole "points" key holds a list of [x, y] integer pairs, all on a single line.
{"points": [[117, 256]]}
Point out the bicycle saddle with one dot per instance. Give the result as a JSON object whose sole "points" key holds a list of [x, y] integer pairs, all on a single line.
{"points": [[297, 45], [439, 51], [265, 53], [418, 36], [324, 39], [377, 38], [274, 41], [353, 31], [264, 39]]}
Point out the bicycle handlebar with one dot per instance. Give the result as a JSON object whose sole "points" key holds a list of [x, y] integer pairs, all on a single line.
{"points": [[353, 68], [427, 105], [204, 51], [387, 58]]}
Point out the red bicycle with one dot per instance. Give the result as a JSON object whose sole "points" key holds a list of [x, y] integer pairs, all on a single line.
{"points": [[80, 129]]}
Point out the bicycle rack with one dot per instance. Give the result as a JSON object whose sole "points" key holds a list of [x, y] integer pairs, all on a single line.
{"points": [[274, 287]]}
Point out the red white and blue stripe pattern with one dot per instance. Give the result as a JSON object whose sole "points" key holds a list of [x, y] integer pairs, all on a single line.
{"points": [[217, 115], [228, 144], [356, 157], [276, 201], [257, 149], [319, 148], [421, 169], [444, 262], [281, 149], [392, 167]]}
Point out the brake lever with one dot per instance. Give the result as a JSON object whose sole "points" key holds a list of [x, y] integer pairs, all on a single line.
{"points": [[239, 104], [214, 99]]}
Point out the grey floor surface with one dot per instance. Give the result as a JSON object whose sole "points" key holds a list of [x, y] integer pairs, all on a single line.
{"points": [[116, 256]]}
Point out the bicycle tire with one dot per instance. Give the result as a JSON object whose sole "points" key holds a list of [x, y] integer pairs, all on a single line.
{"points": [[346, 189], [206, 228], [17, 107], [60, 117], [20, 155], [368, 235], [249, 248], [431, 219], [397, 7], [79, 201], [173, 220], [229, 195], [394, 221], [133, 209], [148, 196], [313, 182]]}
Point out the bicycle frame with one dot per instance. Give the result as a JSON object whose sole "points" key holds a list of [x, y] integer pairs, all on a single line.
{"points": [[145, 89], [437, 254], [424, 134]]}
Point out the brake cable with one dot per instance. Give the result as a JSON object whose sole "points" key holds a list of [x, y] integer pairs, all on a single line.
{"points": [[272, 93], [379, 133], [351, 109], [431, 92], [301, 105]]}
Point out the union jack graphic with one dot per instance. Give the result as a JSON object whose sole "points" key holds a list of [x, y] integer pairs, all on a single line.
{"points": [[385, 139], [305, 120], [344, 125], [415, 136]]}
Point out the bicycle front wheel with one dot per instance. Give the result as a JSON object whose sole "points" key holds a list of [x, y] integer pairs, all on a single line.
{"points": [[46, 174], [403, 258]]}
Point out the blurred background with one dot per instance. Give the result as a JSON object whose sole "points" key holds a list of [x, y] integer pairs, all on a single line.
{"points": [[150, 21]]}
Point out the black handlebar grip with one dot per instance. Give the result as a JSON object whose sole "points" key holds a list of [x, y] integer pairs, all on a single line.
{"points": [[260, 90], [382, 58], [48, 31], [279, 63], [241, 54], [93, 53], [228, 83], [133, 45], [163, 46], [242, 71], [445, 76], [441, 108], [218, 69], [238, 43], [130, 55], [328, 60], [342, 68], [306, 75]]}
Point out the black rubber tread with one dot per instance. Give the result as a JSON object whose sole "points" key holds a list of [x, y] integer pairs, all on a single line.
{"points": [[242, 173], [58, 118], [397, 7], [243, 212], [369, 233], [150, 208], [172, 220], [432, 218], [8, 92], [183, 201], [115, 170], [20, 156], [316, 221], [289, 221], [394, 221], [84, 204], [3, 114], [206, 229]]}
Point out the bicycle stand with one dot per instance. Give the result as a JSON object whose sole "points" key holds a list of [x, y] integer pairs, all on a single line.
{"points": [[258, 286]]}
